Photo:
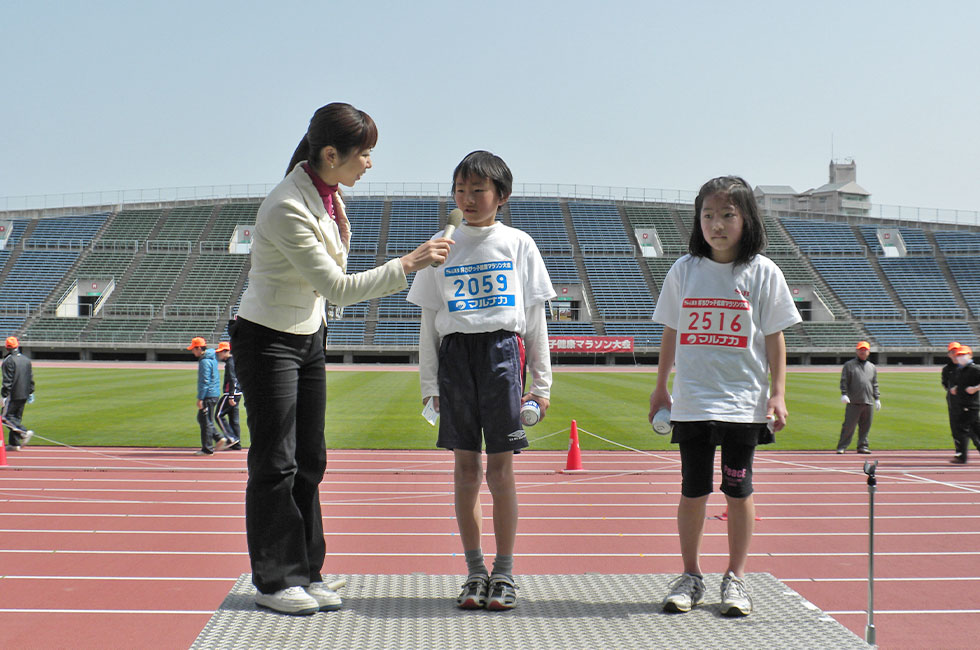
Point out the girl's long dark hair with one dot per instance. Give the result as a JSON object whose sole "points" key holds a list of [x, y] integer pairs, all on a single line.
{"points": [[753, 239], [341, 125]]}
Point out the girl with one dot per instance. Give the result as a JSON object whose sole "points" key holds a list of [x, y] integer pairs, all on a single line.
{"points": [[723, 307], [299, 258]]}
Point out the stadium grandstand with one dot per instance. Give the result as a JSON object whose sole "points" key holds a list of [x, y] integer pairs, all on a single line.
{"points": [[137, 279]]}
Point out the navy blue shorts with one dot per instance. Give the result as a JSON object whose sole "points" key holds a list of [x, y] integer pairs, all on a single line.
{"points": [[698, 441], [481, 382]]}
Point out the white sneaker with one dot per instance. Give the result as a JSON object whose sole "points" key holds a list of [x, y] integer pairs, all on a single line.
{"points": [[686, 591], [291, 600], [27, 437], [735, 599], [326, 597]]}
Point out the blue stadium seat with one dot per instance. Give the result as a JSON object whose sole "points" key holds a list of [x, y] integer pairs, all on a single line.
{"points": [[395, 332], [921, 287], [411, 222], [966, 274], [542, 220], [957, 241], [80, 228], [914, 238], [892, 334], [816, 237], [644, 333], [599, 228], [619, 289], [365, 222], [345, 333], [858, 287], [941, 333]]}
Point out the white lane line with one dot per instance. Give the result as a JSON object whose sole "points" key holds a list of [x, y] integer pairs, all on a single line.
{"points": [[671, 534], [652, 491], [193, 612], [328, 503], [133, 578], [11, 551], [903, 612], [880, 579], [450, 516], [957, 486]]}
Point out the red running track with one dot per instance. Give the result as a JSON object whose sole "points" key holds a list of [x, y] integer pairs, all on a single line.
{"points": [[138, 547]]}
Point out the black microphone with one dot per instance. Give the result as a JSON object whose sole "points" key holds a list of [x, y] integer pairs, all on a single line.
{"points": [[455, 219]]}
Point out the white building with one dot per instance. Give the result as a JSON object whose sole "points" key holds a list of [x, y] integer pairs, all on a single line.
{"points": [[842, 195]]}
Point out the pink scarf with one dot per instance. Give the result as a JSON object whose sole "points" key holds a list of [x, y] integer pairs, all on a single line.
{"points": [[325, 191]]}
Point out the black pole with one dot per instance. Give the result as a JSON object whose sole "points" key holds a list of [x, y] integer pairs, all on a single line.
{"points": [[869, 469]]}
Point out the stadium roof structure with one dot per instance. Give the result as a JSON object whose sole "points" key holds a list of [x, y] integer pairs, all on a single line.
{"points": [[775, 189], [849, 187]]}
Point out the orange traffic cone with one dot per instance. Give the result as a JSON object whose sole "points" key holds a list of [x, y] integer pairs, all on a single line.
{"points": [[3, 447], [574, 463]]}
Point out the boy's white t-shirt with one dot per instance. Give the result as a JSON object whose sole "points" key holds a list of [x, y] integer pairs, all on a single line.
{"points": [[722, 316], [494, 279], [492, 275]]}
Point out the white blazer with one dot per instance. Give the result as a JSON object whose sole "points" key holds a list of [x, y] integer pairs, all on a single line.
{"points": [[299, 261]]}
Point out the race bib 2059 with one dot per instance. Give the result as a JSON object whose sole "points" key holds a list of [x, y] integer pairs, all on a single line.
{"points": [[481, 286]]}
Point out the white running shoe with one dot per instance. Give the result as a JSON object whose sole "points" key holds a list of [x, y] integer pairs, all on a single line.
{"points": [[291, 600], [27, 437], [326, 597], [686, 591], [735, 599]]}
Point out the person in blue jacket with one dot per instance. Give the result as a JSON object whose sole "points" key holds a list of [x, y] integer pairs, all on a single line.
{"points": [[208, 392]]}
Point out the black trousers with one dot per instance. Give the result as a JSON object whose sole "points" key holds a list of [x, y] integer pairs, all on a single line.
{"points": [[284, 382], [226, 418], [967, 430], [13, 412]]}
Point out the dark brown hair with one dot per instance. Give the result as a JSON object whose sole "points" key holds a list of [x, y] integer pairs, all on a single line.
{"points": [[483, 164], [753, 239], [340, 125]]}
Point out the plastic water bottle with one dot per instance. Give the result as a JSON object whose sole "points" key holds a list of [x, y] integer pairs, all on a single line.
{"points": [[661, 422], [530, 413]]}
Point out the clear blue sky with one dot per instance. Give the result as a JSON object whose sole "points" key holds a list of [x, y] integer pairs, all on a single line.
{"points": [[107, 95]]}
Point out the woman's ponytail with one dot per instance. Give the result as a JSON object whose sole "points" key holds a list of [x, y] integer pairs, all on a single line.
{"points": [[302, 153]]}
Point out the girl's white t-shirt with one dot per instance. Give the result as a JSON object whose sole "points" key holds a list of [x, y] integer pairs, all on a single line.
{"points": [[722, 316]]}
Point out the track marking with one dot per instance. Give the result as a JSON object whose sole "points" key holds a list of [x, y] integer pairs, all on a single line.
{"points": [[488, 534], [903, 612], [194, 612], [125, 578], [956, 486], [163, 553]]}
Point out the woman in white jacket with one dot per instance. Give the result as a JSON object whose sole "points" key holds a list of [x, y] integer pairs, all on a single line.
{"points": [[299, 258]]}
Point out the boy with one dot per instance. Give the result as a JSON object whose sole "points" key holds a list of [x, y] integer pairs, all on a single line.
{"points": [[483, 314], [207, 395], [226, 413]]}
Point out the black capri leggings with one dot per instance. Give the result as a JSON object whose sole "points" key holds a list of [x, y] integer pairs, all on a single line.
{"points": [[698, 463]]}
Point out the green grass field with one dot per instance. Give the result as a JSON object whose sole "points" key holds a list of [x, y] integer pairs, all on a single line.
{"points": [[156, 408]]}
